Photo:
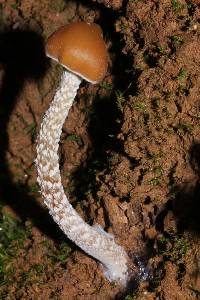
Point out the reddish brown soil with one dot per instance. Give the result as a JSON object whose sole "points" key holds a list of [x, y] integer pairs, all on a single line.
{"points": [[129, 149]]}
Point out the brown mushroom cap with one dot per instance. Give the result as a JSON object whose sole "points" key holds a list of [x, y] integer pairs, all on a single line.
{"points": [[80, 48]]}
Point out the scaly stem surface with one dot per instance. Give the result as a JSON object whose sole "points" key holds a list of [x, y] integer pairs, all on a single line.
{"points": [[93, 240]]}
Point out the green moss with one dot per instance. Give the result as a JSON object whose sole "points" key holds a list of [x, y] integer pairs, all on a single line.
{"points": [[106, 86], [34, 188], [62, 253], [182, 74], [173, 247], [57, 6], [176, 5], [120, 99], [16, 4], [158, 170], [74, 137], [128, 297], [139, 106], [13, 233], [182, 128], [176, 41], [157, 277], [31, 129], [154, 181]]}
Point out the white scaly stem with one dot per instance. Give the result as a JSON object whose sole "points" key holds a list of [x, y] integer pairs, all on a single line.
{"points": [[92, 239]]}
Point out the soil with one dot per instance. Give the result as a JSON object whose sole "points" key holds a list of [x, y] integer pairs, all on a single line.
{"points": [[129, 151]]}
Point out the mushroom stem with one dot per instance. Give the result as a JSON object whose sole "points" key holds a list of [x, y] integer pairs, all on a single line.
{"points": [[92, 239]]}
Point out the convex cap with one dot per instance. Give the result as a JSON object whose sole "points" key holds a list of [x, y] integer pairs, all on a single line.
{"points": [[80, 48]]}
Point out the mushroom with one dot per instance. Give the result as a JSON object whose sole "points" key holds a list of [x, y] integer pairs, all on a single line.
{"points": [[80, 48]]}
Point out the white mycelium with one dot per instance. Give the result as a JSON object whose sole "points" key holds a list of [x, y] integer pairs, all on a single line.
{"points": [[93, 240]]}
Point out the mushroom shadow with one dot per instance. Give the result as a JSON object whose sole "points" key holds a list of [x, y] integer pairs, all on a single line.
{"points": [[22, 58], [186, 205], [184, 201], [104, 118]]}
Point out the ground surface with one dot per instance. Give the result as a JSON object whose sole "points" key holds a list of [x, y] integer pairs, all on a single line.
{"points": [[129, 150]]}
